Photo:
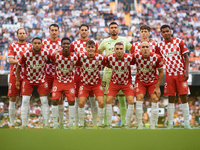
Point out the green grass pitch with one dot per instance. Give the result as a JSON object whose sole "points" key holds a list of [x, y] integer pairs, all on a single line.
{"points": [[102, 139]]}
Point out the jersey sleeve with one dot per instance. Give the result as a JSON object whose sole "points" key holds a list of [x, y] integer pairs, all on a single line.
{"points": [[101, 47], [78, 63], [132, 49], [183, 47], [96, 47], [159, 63], [10, 51], [128, 44], [71, 49], [21, 60]]}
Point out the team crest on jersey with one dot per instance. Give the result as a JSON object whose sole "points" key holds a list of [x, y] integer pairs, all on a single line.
{"points": [[125, 65], [71, 63], [96, 63], [175, 46], [184, 84], [150, 64], [54, 89], [72, 91]]}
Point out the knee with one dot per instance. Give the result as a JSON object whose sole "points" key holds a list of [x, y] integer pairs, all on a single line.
{"points": [[71, 103], [172, 99], [81, 104], [13, 99], [101, 104], [183, 98], [55, 102], [154, 100]]}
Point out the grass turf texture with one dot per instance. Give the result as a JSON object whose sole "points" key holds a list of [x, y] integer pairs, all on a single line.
{"points": [[104, 139]]}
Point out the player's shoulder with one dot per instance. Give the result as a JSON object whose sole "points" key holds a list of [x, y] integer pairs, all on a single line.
{"points": [[106, 40], [154, 54], [136, 43]]}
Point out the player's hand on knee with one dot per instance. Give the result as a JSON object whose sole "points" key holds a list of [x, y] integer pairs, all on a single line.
{"points": [[157, 92], [17, 84]]}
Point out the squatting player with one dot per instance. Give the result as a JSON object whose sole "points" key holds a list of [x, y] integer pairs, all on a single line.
{"points": [[78, 46], [90, 67], [108, 45], [65, 62], [120, 64], [175, 55], [34, 60], [147, 80], [53, 44], [14, 54]]}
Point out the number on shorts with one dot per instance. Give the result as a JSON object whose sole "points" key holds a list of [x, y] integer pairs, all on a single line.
{"points": [[10, 85], [165, 86], [136, 85]]}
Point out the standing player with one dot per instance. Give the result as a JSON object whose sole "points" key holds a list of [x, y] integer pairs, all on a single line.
{"points": [[120, 63], [34, 60], [144, 34], [90, 67], [53, 44], [147, 80], [65, 62], [108, 45], [14, 54], [175, 55], [78, 46]]}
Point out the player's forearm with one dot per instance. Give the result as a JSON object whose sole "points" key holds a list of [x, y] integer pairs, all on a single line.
{"points": [[18, 72], [12, 60], [160, 77], [186, 62]]}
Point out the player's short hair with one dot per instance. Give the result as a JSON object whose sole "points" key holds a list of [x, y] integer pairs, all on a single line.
{"points": [[90, 42], [65, 38], [165, 26], [83, 25], [54, 25], [119, 43], [21, 29], [113, 23], [36, 38], [144, 26]]}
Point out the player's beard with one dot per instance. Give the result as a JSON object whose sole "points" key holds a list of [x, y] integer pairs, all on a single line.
{"points": [[114, 34], [21, 40], [37, 51]]}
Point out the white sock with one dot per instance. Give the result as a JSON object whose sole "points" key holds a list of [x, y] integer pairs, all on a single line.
{"points": [[25, 109], [101, 116], [71, 115], [45, 107], [139, 112], [129, 114], [94, 109], [11, 112], [61, 113], [55, 114], [185, 109], [154, 113], [109, 113], [170, 113], [81, 115], [76, 111]]}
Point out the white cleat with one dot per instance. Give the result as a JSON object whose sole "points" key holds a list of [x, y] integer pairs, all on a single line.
{"points": [[140, 127], [55, 127], [152, 127], [170, 126], [187, 126]]}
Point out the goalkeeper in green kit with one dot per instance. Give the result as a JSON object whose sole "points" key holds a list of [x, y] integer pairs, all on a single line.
{"points": [[108, 45]]}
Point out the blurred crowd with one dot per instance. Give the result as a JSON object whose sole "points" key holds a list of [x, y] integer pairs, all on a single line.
{"points": [[37, 15], [35, 118]]}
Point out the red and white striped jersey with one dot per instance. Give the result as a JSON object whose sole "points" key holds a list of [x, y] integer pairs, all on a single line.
{"points": [[121, 71], [147, 67], [34, 64], [90, 68], [64, 66], [52, 46], [136, 46], [172, 53], [15, 50]]}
